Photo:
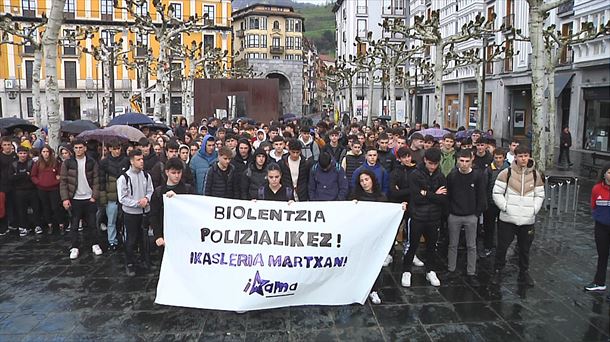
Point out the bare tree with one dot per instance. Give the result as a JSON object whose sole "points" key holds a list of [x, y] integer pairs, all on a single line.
{"points": [[29, 35], [343, 72]]}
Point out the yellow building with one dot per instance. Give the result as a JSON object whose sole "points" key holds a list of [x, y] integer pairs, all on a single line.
{"points": [[268, 32], [80, 75]]}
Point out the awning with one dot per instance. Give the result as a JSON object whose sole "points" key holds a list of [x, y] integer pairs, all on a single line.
{"points": [[560, 82]]}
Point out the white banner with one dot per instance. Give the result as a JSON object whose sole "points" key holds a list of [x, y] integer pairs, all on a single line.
{"points": [[242, 255]]}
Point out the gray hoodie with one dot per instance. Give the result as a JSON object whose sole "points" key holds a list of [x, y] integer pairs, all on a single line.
{"points": [[130, 191]]}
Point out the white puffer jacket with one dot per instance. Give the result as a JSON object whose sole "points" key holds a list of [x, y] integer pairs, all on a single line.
{"points": [[520, 203]]}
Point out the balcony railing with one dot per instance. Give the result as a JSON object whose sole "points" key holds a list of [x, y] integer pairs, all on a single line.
{"points": [[508, 21], [565, 8], [278, 50]]}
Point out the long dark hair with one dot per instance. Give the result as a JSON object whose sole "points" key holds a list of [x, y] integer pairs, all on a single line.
{"points": [[43, 164], [359, 191]]}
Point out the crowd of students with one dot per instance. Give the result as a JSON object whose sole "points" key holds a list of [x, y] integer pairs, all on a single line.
{"points": [[445, 185]]}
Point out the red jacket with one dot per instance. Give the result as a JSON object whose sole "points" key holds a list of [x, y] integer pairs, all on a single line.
{"points": [[46, 179], [600, 203]]}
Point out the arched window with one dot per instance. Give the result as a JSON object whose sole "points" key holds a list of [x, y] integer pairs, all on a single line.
{"points": [[276, 25]]}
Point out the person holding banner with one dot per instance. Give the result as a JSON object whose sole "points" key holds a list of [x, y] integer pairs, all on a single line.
{"points": [[367, 189], [274, 190], [174, 185]]}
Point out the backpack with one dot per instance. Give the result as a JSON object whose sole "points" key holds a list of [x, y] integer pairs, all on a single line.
{"points": [[508, 178], [315, 166], [261, 192], [29, 165], [128, 179]]}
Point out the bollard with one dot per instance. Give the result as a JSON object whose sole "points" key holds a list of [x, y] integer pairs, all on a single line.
{"points": [[568, 183], [553, 186], [546, 192], [576, 188], [576, 200], [559, 192]]}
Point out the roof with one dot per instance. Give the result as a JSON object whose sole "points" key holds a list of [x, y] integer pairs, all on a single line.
{"points": [[251, 10], [337, 5]]}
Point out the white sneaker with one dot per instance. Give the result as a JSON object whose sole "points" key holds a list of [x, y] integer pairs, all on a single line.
{"points": [[23, 232], [74, 253], [375, 298], [103, 227], [433, 279], [406, 279], [388, 260], [38, 230], [417, 262], [96, 250]]}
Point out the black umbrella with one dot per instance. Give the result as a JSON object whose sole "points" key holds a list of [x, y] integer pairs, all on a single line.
{"points": [[157, 126], [288, 117], [78, 126], [131, 119], [12, 123], [245, 119]]}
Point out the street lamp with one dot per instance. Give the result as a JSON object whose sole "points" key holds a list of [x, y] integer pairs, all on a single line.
{"points": [[19, 90]]}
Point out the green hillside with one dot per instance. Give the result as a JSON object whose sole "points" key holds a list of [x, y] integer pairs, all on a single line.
{"points": [[320, 27]]}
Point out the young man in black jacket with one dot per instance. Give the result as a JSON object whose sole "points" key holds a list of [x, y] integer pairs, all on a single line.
{"points": [[467, 200], [25, 192], [174, 185], [7, 157], [220, 181], [111, 168], [295, 171], [428, 195], [385, 156]]}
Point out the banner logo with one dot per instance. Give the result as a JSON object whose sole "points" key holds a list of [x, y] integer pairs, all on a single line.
{"points": [[268, 288]]}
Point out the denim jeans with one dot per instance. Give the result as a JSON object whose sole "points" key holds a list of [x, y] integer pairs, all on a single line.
{"points": [[112, 210]]}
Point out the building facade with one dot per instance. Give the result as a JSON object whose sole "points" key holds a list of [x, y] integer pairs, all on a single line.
{"points": [[354, 20], [269, 38], [80, 74]]}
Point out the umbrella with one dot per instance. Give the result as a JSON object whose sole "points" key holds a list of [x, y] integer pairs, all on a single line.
{"points": [[464, 134], [288, 117], [121, 132], [246, 119], [384, 118], [78, 126], [131, 119], [157, 126], [435, 132], [11, 123]]}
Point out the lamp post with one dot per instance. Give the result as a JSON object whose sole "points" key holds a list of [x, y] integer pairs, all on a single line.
{"points": [[19, 90]]}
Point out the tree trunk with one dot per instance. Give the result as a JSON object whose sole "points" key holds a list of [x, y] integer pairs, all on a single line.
{"points": [[36, 85], [478, 73], [107, 91], [552, 110], [161, 90], [405, 90], [438, 85], [50, 38], [143, 77], [392, 92], [350, 84], [369, 116], [539, 117]]}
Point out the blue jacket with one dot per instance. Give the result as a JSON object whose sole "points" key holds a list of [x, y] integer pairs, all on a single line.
{"points": [[200, 164], [328, 185], [382, 176]]}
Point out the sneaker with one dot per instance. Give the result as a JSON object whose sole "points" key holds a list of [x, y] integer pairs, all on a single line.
{"points": [[67, 229], [4, 232], [130, 271], [388, 260], [417, 262], [525, 278], [433, 279], [103, 227], [96, 250], [472, 281], [375, 298], [595, 287], [80, 228], [113, 247], [23, 232], [405, 281], [38, 230], [74, 253], [12, 228]]}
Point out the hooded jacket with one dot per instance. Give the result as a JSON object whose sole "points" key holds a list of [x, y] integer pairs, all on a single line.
{"points": [[6, 160], [520, 199], [257, 143], [21, 175], [200, 164], [425, 204], [240, 163], [151, 160], [309, 149], [382, 176], [328, 185], [253, 177], [399, 183], [110, 170], [301, 189]]}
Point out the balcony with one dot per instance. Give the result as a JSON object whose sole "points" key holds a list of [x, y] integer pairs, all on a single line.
{"points": [[566, 56], [208, 22], [566, 9], [276, 50], [508, 21]]}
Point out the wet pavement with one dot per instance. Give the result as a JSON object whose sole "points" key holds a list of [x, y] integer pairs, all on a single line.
{"points": [[46, 297]]}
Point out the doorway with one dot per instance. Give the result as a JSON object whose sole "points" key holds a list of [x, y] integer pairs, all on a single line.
{"points": [[71, 108]]}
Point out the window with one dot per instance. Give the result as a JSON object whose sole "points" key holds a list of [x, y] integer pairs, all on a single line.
{"points": [[276, 42], [254, 24], [289, 42], [208, 12], [29, 66], [361, 49], [263, 40], [106, 38], [597, 118], [253, 40], [70, 75], [141, 44], [276, 57], [142, 77], [28, 7], [297, 25], [70, 9], [69, 45], [361, 28], [177, 8], [28, 48], [297, 43], [387, 6], [276, 25], [107, 9], [30, 106], [399, 7], [361, 7], [208, 41], [142, 10]]}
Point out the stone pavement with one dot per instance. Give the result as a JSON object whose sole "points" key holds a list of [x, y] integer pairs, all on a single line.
{"points": [[46, 297]]}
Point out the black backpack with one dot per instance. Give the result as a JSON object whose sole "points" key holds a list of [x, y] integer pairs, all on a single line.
{"points": [[261, 192], [128, 179]]}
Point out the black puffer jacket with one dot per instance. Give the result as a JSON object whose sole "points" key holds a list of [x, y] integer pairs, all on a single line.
{"points": [[69, 178], [150, 161], [6, 160], [219, 185], [252, 179], [21, 175], [156, 205], [302, 189], [425, 204], [110, 169], [399, 183]]}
